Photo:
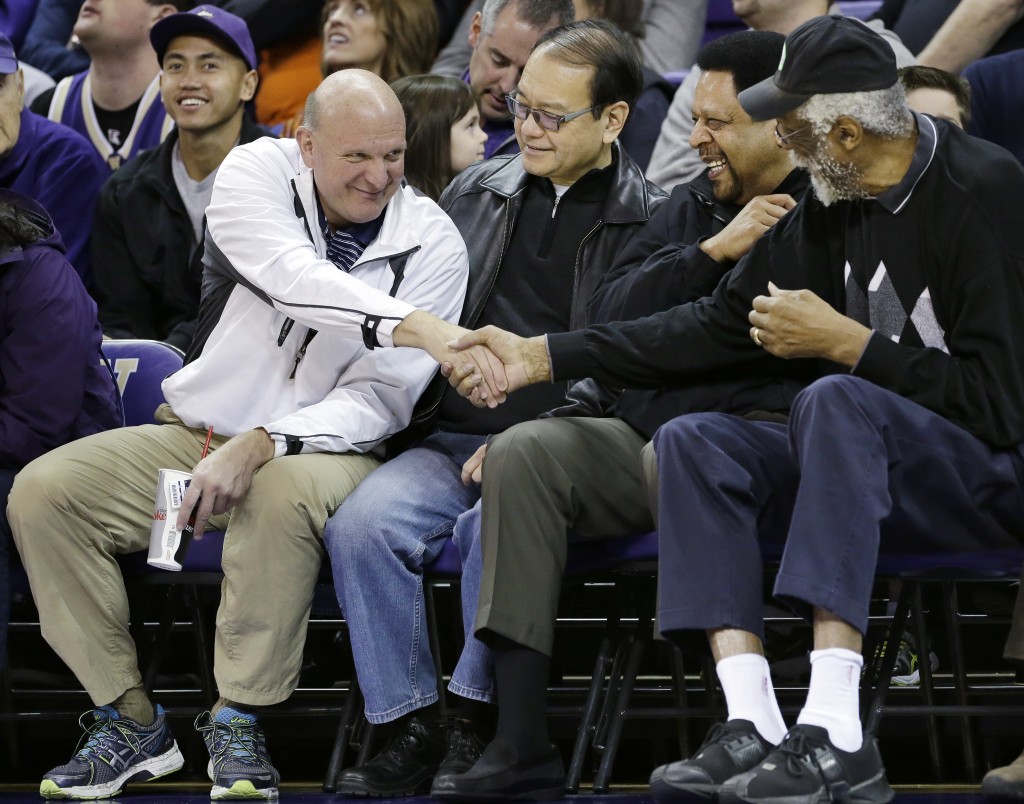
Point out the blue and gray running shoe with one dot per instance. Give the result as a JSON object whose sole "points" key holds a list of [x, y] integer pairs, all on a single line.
{"points": [[239, 764], [113, 751]]}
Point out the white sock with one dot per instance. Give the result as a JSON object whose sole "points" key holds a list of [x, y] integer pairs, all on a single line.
{"points": [[833, 698], [749, 694]]}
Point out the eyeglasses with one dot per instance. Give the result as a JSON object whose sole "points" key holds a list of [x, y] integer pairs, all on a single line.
{"points": [[546, 120], [783, 139]]}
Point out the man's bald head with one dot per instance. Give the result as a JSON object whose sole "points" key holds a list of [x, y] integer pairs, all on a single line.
{"points": [[352, 92], [353, 139]]}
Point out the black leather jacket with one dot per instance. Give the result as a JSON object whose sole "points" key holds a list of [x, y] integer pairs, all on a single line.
{"points": [[484, 201]]}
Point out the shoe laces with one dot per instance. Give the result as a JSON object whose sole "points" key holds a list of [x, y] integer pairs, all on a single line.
{"points": [[907, 658], [800, 750], [103, 732], [228, 741], [463, 740], [714, 735], [408, 738], [795, 749]]}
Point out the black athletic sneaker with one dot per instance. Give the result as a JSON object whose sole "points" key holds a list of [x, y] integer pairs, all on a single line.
{"points": [[807, 769], [406, 767], [500, 775], [730, 748]]}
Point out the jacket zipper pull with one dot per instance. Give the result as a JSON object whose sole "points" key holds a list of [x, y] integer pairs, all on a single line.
{"points": [[298, 359], [302, 352]]}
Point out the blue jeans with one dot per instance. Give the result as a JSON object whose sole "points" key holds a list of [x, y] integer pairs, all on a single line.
{"points": [[476, 656], [6, 548], [378, 541]]}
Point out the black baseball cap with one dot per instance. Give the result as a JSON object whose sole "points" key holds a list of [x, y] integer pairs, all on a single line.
{"points": [[205, 21], [825, 55]]}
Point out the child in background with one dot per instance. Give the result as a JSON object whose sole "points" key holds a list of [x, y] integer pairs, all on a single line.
{"points": [[442, 130]]}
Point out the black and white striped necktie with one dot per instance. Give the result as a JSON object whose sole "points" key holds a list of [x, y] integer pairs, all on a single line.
{"points": [[343, 249]]}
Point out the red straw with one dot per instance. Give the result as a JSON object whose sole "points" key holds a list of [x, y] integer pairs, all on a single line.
{"points": [[206, 446], [191, 524]]}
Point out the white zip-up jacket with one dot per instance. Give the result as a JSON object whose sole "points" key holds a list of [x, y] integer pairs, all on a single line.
{"points": [[265, 266]]}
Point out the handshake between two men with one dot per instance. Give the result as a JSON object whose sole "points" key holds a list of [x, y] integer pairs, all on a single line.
{"points": [[487, 364], [484, 365]]}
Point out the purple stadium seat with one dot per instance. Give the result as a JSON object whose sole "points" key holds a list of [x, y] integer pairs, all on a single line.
{"points": [[140, 366]]}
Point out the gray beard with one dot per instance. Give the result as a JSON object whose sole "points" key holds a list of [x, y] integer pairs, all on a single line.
{"points": [[831, 181]]}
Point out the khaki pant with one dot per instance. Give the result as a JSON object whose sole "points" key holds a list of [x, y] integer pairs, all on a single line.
{"points": [[546, 482], [74, 509]]}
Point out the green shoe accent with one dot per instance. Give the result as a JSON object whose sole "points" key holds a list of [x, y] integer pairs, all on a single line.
{"points": [[242, 789], [49, 789]]}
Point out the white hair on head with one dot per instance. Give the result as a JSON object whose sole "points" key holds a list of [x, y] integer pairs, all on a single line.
{"points": [[883, 112]]}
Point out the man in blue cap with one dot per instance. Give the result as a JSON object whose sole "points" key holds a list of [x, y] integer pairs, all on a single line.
{"points": [[151, 220], [885, 313], [43, 160]]}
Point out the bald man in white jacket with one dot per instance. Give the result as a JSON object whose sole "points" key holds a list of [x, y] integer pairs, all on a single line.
{"points": [[292, 369]]}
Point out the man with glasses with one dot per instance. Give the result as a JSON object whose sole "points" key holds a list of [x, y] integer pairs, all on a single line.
{"points": [[558, 466], [891, 305], [546, 120], [542, 228]]}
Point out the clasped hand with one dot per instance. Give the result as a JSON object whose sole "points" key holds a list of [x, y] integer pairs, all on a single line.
{"points": [[799, 323], [523, 361]]}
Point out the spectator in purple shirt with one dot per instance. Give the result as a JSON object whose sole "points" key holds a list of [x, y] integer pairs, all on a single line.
{"points": [[43, 160], [54, 386]]}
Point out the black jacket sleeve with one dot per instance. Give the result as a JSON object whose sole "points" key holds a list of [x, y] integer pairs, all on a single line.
{"points": [[126, 305], [711, 334], [586, 398], [663, 265]]}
